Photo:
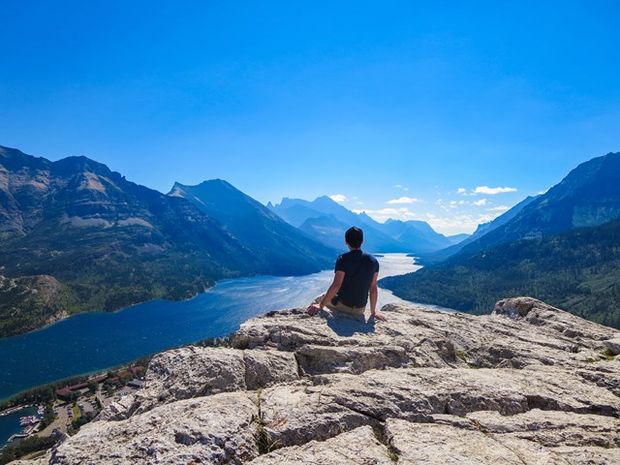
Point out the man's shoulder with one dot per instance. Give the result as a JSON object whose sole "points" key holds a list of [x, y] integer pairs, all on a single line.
{"points": [[346, 255], [343, 258], [349, 258], [372, 260]]}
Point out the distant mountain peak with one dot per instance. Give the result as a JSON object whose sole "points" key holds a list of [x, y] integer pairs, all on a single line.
{"points": [[81, 163], [281, 247], [216, 181], [177, 190], [588, 196], [326, 199], [327, 220]]}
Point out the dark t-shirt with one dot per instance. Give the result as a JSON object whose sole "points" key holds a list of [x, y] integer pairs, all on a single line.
{"points": [[359, 268]]}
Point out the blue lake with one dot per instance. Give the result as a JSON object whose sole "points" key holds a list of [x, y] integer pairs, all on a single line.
{"points": [[94, 341]]}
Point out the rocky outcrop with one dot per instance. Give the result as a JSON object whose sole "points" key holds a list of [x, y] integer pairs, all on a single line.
{"points": [[217, 429], [528, 384], [198, 371]]}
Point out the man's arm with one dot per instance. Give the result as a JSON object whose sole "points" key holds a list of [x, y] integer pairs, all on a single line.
{"points": [[333, 289], [374, 293]]}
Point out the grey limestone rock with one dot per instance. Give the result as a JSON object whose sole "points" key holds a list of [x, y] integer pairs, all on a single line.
{"points": [[527, 384], [359, 446], [217, 429]]}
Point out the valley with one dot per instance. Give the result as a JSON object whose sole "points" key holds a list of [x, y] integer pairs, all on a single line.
{"points": [[95, 341]]}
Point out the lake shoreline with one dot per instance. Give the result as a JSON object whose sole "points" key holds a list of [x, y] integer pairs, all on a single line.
{"points": [[64, 315], [115, 339], [225, 298]]}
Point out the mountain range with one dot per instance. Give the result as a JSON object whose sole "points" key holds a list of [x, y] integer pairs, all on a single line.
{"points": [[76, 236], [562, 246], [327, 221], [280, 248], [482, 229]]}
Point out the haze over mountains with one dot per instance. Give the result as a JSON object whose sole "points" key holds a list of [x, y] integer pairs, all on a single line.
{"points": [[588, 196], [76, 236], [562, 246], [327, 220], [481, 230], [281, 248]]}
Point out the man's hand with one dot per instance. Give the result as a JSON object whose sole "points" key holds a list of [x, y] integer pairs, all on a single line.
{"points": [[313, 309], [378, 316]]}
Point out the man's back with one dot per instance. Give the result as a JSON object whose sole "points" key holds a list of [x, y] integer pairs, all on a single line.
{"points": [[359, 268]]}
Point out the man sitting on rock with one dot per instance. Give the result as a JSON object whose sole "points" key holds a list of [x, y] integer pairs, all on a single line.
{"points": [[355, 277]]}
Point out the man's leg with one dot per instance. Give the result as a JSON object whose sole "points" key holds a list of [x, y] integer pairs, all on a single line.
{"points": [[348, 310], [340, 307]]}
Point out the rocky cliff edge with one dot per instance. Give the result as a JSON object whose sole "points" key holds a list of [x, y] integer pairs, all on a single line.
{"points": [[528, 384]]}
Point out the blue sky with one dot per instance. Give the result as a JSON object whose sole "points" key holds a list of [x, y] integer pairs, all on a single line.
{"points": [[372, 101]]}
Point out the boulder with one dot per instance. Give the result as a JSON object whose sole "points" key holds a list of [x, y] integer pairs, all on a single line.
{"points": [[217, 429], [612, 346], [200, 371]]}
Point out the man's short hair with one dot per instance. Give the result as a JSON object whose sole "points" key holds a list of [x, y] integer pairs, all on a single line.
{"points": [[354, 237]]}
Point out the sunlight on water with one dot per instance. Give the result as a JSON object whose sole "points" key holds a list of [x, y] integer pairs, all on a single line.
{"points": [[97, 340]]}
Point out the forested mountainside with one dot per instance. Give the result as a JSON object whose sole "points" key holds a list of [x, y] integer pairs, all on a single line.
{"points": [[76, 236], [578, 270], [562, 246]]}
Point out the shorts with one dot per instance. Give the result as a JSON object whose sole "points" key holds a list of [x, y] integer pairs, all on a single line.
{"points": [[340, 307]]}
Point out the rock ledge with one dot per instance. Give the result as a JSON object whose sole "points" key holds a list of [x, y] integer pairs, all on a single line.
{"points": [[528, 384]]}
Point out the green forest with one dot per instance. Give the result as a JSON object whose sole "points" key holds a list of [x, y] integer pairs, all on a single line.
{"points": [[578, 271]]}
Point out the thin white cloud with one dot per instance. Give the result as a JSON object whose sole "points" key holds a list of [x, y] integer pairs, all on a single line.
{"points": [[456, 224], [480, 203], [338, 197], [499, 208], [493, 190], [402, 200], [449, 221], [384, 214], [461, 190]]}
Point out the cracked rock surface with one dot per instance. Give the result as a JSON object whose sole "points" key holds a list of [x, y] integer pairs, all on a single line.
{"points": [[528, 384]]}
